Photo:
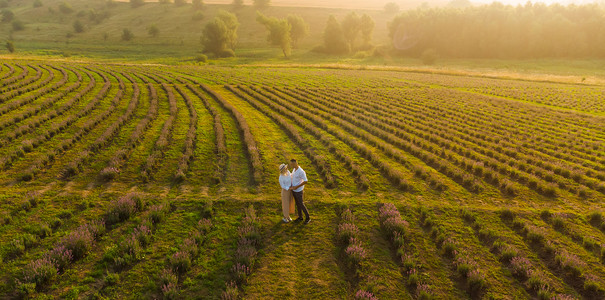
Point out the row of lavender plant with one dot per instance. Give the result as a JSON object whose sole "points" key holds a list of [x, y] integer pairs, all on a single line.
{"points": [[390, 171], [13, 79], [189, 147], [251, 148], [532, 278], [49, 156], [54, 112], [570, 267], [23, 82], [319, 161], [29, 145], [468, 269], [76, 245], [163, 140], [13, 105], [219, 132], [5, 96], [74, 167], [351, 248], [120, 157], [248, 244], [589, 243], [396, 230], [179, 263], [277, 105], [9, 73]]}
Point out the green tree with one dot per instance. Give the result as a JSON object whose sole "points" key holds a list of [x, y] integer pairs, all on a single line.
{"points": [[78, 26], [261, 3], [153, 30], [127, 35], [334, 40], [367, 29], [37, 3], [136, 3], [299, 29], [351, 26], [18, 25], [220, 35], [279, 32], [66, 8], [7, 15], [10, 46]]}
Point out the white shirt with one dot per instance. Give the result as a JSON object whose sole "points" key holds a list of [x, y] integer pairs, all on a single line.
{"points": [[298, 177], [285, 180]]}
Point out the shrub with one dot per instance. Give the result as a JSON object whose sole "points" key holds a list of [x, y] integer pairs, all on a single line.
{"points": [[111, 279], [60, 256], [170, 291], [558, 223], [413, 278], [521, 267], [231, 292], [569, 262], [355, 253], [78, 242], [364, 295], [345, 232], [450, 247], [180, 262], [121, 209], [39, 271], [240, 272], [423, 292], [476, 281], [127, 35], [507, 214]]}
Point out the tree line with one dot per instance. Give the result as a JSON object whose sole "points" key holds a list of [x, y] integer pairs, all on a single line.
{"points": [[502, 31]]}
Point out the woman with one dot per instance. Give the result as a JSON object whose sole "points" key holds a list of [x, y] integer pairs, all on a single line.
{"points": [[287, 201]]}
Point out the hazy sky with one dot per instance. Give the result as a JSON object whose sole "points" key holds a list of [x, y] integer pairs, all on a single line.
{"points": [[380, 3]]}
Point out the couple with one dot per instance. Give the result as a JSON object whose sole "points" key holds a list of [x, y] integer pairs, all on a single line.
{"points": [[292, 186]]}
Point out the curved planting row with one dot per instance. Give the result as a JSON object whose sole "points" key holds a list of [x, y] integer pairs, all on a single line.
{"points": [[49, 156], [59, 111], [396, 229], [16, 77], [119, 158], [523, 270], [248, 244], [468, 269], [163, 140], [10, 106], [570, 267], [74, 167], [362, 181], [319, 161], [346, 132], [589, 243], [377, 133], [248, 138], [280, 104], [17, 91], [351, 248], [30, 144], [23, 81], [189, 147], [180, 262], [9, 72], [219, 132], [75, 245]]}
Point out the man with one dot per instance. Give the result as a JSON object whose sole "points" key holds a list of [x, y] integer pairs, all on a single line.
{"points": [[299, 179]]}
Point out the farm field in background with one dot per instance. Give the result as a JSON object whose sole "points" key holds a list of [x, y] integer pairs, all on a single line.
{"points": [[135, 181]]}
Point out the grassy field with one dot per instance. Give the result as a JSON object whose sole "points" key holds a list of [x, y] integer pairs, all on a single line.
{"points": [[147, 181]]}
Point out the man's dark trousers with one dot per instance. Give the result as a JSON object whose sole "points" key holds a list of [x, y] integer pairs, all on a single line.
{"points": [[300, 206]]}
